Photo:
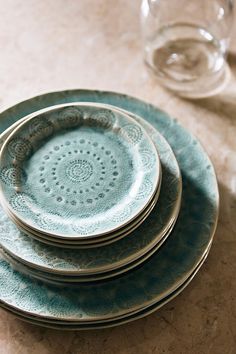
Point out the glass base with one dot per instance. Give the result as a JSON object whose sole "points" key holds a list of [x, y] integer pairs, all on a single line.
{"points": [[189, 60]]}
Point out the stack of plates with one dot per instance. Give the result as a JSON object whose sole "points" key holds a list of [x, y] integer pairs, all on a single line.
{"points": [[90, 189]]}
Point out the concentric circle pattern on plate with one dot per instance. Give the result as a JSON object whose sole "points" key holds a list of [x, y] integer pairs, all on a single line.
{"points": [[166, 270], [78, 171]]}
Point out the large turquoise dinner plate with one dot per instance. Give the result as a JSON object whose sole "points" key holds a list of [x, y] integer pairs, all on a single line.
{"points": [[167, 270]]}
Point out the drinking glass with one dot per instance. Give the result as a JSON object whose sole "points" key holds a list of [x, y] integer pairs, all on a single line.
{"points": [[185, 43]]}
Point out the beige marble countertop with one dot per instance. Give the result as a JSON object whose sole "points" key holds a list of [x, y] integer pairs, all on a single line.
{"points": [[52, 45]]}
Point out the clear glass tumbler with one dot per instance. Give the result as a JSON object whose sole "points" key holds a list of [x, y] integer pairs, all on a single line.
{"points": [[185, 43]]}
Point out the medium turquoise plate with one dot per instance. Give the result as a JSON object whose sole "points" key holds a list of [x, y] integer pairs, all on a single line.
{"points": [[166, 270], [58, 279], [78, 171], [102, 241], [65, 261]]}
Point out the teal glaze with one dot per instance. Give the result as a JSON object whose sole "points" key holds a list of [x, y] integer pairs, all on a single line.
{"points": [[166, 270], [116, 255], [63, 325], [59, 279], [78, 171]]}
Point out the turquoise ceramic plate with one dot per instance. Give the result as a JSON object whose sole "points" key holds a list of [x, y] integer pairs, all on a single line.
{"points": [[77, 171], [91, 241], [58, 279], [101, 241], [106, 324], [62, 261], [166, 270]]}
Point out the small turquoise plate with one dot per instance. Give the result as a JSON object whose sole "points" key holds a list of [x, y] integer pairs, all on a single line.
{"points": [[78, 171]]}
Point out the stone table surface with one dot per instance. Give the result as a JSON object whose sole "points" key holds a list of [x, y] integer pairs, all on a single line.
{"points": [[95, 44]]}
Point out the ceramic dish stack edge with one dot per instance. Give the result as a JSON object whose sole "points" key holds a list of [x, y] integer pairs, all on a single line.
{"points": [[85, 139], [110, 323], [172, 178], [136, 281]]}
